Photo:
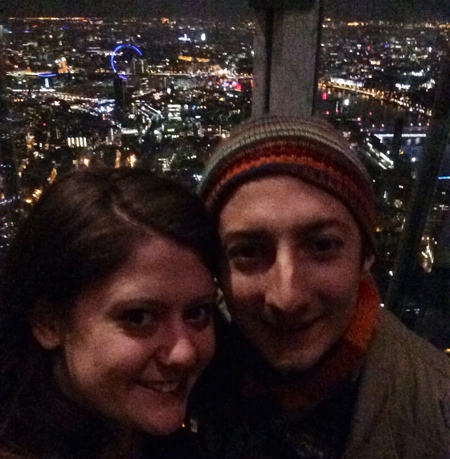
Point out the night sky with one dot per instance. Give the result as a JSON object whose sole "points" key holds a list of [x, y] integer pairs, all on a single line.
{"points": [[345, 9]]}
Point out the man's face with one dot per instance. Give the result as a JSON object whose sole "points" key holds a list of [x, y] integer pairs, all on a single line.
{"points": [[291, 270]]}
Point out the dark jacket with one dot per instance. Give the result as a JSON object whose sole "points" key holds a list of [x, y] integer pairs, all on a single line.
{"points": [[52, 426], [403, 405], [397, 408]]}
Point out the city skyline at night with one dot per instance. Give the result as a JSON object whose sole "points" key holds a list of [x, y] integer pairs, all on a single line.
{"points": [[345, 9], [136, 85]]}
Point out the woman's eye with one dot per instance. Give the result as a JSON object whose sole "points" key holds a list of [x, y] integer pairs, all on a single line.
{"points": [[138, 318], [200, 316]]}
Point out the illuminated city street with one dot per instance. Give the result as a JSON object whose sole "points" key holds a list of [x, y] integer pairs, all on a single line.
{"points": [[161, 92]]}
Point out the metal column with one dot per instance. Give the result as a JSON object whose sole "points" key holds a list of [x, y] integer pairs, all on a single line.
{"points": [[421, 201], [286, 54]]}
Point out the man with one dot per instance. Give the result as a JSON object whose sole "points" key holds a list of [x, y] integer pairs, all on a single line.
{"points": [[311, 366]]}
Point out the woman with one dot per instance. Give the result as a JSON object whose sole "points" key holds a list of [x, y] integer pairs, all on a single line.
{"points": [[107, 298]]}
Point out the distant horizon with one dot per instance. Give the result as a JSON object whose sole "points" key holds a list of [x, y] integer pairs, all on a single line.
{"points": [[187, 16], [407, 10]]}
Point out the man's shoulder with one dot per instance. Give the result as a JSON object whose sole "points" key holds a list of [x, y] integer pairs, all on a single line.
{"points": [[404, 349], [406, 377], [403, 407]]}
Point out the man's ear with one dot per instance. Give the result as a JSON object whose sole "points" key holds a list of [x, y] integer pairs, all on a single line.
{"points": [[46, 330], [367, 264]]}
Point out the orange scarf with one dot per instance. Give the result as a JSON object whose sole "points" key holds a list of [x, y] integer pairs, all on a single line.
{"points": [[337, 367]]}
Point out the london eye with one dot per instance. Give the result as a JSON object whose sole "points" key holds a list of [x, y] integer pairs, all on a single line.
{"points": [[122, 58]]}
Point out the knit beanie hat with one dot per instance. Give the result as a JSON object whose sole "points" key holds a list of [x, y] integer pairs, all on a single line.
{"points": [[307, 148]]}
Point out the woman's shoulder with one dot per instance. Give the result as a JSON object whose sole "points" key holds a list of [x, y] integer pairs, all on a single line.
{"points": [[180, 445], [8, 452]]}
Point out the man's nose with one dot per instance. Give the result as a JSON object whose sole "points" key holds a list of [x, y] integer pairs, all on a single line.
{"points": [[288, 288]]}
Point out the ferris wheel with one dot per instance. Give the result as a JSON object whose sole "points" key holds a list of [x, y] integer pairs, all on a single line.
{"points": [[122, 58]]}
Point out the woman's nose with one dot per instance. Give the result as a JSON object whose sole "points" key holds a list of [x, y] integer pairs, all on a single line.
{"points": [[178, 349]]}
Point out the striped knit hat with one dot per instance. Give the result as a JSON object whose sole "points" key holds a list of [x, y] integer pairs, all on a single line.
{"points": [[307, 148]]}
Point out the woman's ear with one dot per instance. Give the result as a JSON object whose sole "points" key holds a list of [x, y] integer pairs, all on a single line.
{"points": [[46, 329], [47, 335]]}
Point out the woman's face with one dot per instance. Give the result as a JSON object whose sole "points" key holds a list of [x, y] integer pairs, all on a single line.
{"points": [[139, 341]]}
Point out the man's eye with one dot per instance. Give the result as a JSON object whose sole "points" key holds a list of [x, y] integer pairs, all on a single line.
{"points": [[200, 316], [244, 251], [246, 257], [327, 245]]}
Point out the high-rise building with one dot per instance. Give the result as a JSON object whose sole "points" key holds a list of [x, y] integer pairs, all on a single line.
{"points": [[7, 157], [120, 93], [3, 93]]}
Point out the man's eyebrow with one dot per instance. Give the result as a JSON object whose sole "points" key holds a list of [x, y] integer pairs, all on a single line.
{"points": [[308, 226], [323, 223], [305, 230], [244, 234]]}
